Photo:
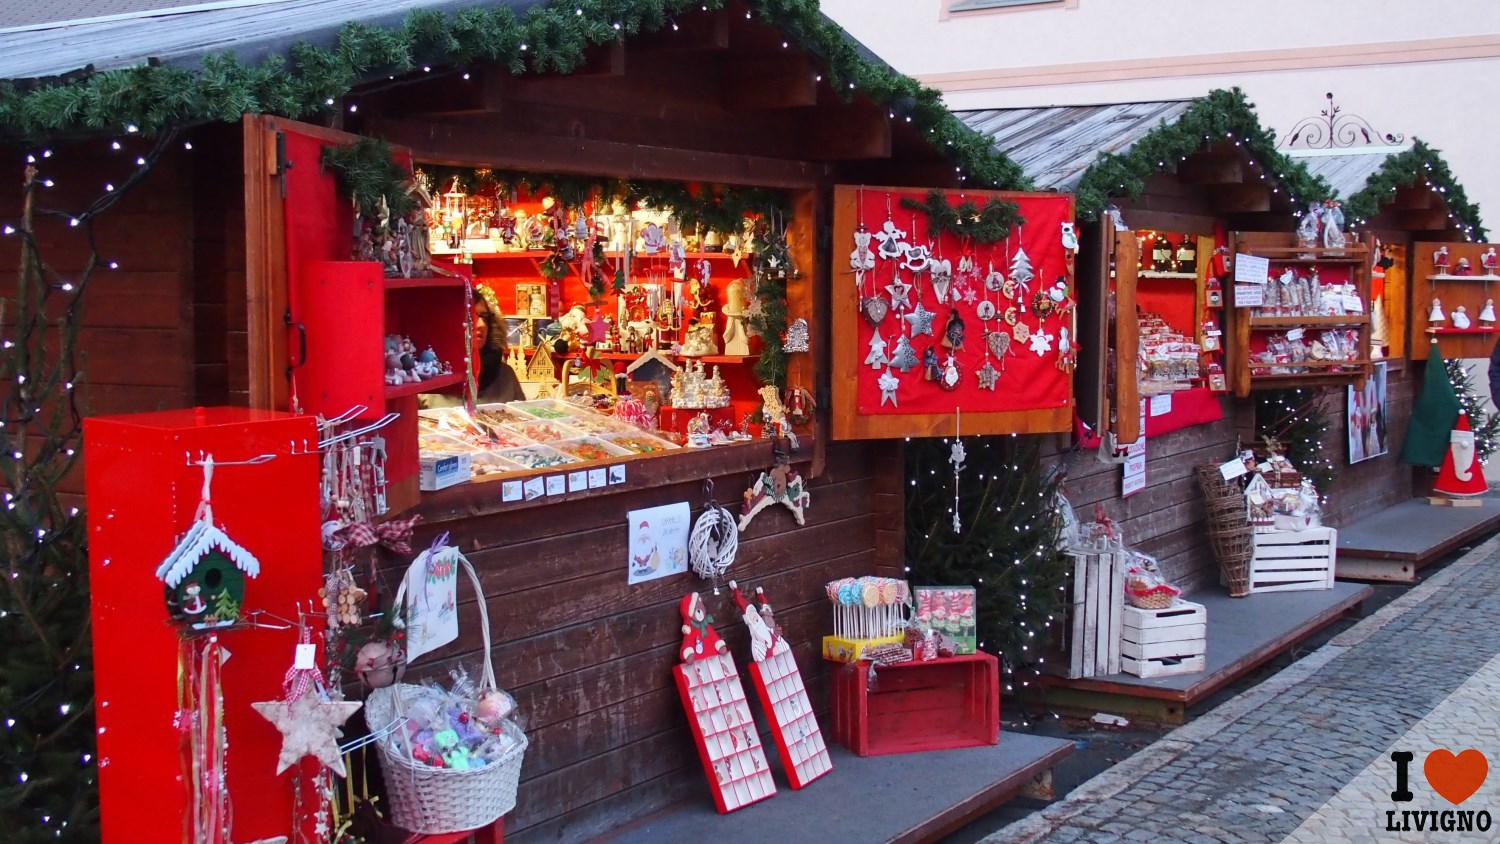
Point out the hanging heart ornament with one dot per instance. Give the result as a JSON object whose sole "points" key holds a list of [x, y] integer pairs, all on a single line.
{"points": [[942, 277], [876, 308], [999, 343]]}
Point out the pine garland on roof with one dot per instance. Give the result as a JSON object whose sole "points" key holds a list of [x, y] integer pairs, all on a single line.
{"points": [[1419, 165], [1222, 116], [548, 38]]}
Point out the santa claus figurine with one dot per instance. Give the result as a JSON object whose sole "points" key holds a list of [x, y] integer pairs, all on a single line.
{"points": [[698, 636], [764, 640], [1461, 475]]}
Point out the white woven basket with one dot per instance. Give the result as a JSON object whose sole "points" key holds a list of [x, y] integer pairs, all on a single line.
{"points": [[433, 800]]}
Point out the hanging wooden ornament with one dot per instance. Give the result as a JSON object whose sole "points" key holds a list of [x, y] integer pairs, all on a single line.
{"points": [[204, 576], [875, 309], [995, 280], [797, 338], [1021, 331], [1042, 304], [713, 542], [889, 383], [917, 259], [899, 292], [892, 241], [952, 374], [1041, 342], [309, 722], [1067, 356], [780, 485], [799, 406], [877, 356], [988, 376], [999, 344], [942, 278], [953, 332], [956, 457], [920, 320], [905, 357], [985, 310], [862, 259]]}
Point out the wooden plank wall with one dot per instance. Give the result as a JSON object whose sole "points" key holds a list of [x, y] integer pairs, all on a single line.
{"points": [[220, 372], [589, 658], [1372, 485], [1166, 519], [136, 343]]}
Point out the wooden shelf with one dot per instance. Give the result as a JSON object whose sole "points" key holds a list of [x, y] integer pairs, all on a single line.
{"points": [[1491, 330], [1354, 253], [1154, 274], [1302, 322], [728, 359], [431, 281], [538, 254], [1447, 277], [431, 385], [1318, 364]]}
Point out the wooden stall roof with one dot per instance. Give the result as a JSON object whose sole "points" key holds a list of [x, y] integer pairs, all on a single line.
{"points": [[1346, 170], [1056, 145]]}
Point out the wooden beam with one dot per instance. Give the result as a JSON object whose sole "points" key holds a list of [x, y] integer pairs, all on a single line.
{"points": [[1413, 198], [860, 129], [785, 79], [1211, 169], [601, 60], [700, 31], [1433, 219], [1240, 199], [445, 96], [469, 146]]}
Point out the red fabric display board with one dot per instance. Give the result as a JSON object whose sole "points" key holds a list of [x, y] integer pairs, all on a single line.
{"points": [[1028, 380], [1196, 406], [143, 493]]}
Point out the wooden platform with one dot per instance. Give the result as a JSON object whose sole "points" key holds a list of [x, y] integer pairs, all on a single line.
{"points": [[1243, 633], [908, 797], [1393, 544]]}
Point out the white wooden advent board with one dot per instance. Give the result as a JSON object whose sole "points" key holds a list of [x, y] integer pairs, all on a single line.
{"points": [[784, 699], [719, 717]]}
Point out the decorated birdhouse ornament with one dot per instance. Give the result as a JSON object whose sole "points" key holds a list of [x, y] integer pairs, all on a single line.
{"points": [[205, 574]]}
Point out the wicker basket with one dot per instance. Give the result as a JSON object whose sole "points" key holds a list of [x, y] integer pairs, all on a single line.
{"points": [[433, 800], [1156, 600], [1229, 532]]}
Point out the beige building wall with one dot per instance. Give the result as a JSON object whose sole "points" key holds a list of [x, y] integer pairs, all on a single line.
{"points": [[1429, 69]]}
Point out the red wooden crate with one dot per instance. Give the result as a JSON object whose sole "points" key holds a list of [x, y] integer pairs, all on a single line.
{"points": [[917, 706]]}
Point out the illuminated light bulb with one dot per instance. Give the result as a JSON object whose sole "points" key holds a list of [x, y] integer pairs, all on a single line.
{"points": [[132, 128]]}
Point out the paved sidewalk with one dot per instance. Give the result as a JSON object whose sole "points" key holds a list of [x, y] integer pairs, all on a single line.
{"points": [[1305, 756]]}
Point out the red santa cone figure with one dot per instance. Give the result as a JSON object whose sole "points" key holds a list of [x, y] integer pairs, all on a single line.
{"points": [[698, 636], [1461, 475]]}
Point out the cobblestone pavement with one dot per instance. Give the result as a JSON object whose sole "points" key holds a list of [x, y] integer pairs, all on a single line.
{"points": [[1305, 756]]}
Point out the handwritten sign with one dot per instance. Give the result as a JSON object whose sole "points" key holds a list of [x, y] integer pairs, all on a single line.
{"points": [[1161, 405], [1249, 295], [658, 542], [1249, 269]]}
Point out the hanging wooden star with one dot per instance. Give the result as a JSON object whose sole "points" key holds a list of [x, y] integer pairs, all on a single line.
{"points": [[309, 726], [898, 290], [988, 375], [920, 320], [888, 383]]}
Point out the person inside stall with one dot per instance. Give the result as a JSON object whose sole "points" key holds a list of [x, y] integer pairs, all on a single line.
{"points": [[495, 381]]}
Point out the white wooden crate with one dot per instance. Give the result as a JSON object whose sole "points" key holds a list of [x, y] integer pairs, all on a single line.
{"points": [[1161, 643], [1098, 598], [1291, 561]]}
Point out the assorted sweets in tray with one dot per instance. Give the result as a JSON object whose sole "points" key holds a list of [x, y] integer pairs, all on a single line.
{"points": [[503, 439]]}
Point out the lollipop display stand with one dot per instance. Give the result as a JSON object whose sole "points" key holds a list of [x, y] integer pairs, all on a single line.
{"points": [[867, 612]]}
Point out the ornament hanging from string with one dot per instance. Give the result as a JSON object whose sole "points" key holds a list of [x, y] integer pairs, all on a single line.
{"points": [[956, 457], [714, 541]]}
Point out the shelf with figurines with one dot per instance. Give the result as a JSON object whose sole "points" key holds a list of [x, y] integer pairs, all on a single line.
{"points": [[1311, 318], [587, 356], [1456, 306]]}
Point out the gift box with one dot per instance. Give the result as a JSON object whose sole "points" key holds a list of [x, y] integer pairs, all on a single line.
{"points": [[950, 610]]}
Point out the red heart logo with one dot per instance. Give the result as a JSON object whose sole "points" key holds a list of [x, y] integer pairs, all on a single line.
{"points": [[1456, 778]]}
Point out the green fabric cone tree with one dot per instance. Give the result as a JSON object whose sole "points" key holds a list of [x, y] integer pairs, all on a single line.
{"points": [[1433, 418]]}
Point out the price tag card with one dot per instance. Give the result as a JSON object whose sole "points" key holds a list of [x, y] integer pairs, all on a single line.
{"points": [[598, 478], [1249, 269], [1161, 404], [510, 491], [534, 488], [1294, 334], [1233, 469], [306, 657], [1352, 303], [617, 474], [556, 485], [578, 481], [1249, 295]]}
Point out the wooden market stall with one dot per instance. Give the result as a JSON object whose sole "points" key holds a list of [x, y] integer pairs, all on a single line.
{"points": [[233, 284]]}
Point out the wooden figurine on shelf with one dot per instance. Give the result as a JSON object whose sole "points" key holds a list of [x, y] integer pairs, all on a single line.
{"points": [[1440, 260], [1463, 268], [1487, 316], [700, 340], [1436, 314], [1461, 317], [1490, 261], [736, 339]]}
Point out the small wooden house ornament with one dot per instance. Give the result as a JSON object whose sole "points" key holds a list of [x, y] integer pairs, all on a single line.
{"points": [[204, 576]]}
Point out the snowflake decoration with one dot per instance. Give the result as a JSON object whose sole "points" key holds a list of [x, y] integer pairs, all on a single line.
{"points": [[1041, 342], [970, 296]]}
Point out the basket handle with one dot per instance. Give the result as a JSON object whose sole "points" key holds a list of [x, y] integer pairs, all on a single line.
{"points": [[487, 679]]}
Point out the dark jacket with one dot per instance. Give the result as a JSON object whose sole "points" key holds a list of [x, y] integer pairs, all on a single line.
{"points": [[1495, 375]]}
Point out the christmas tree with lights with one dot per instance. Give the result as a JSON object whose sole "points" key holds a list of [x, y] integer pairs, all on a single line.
{"points": [[1004, 544], [1297, 418], [1485, 425]]}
